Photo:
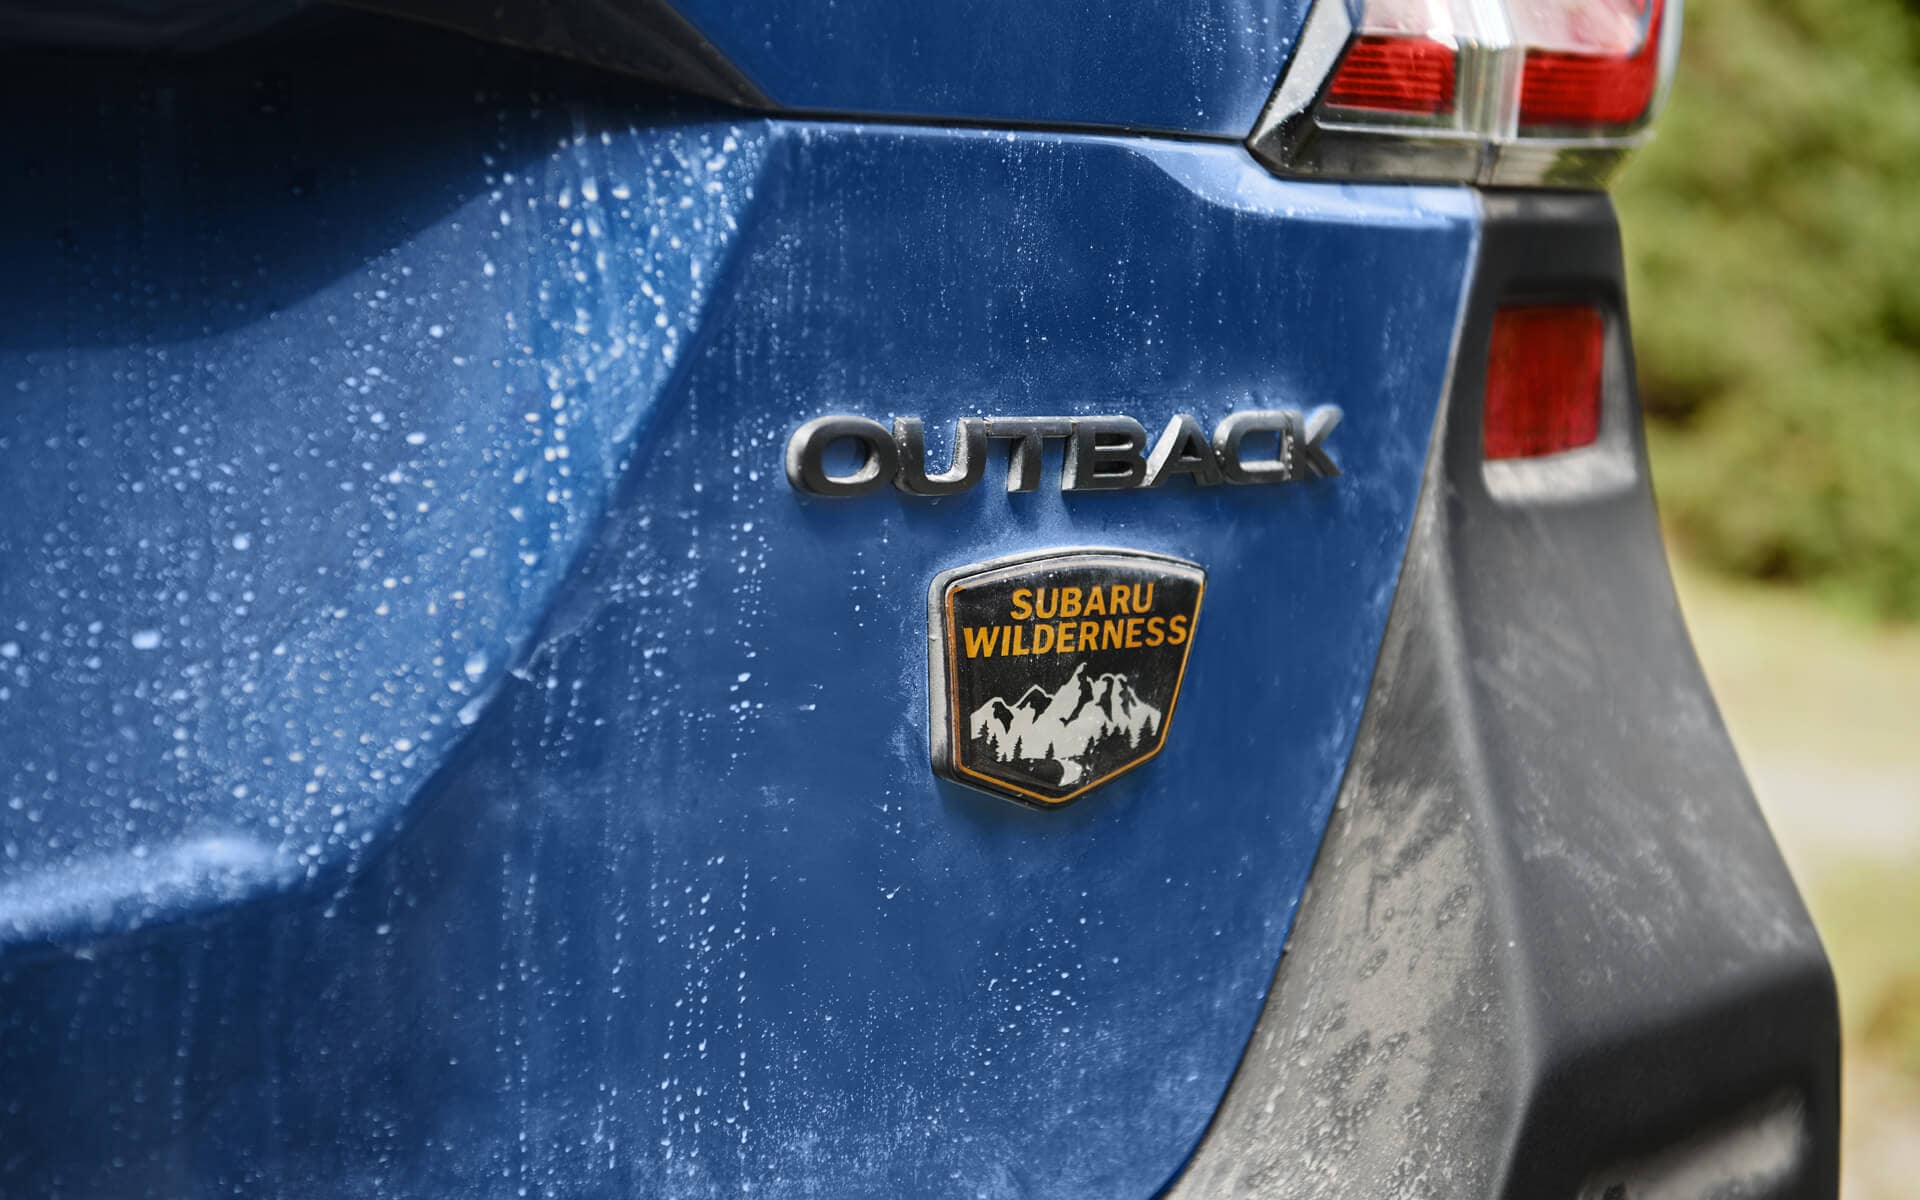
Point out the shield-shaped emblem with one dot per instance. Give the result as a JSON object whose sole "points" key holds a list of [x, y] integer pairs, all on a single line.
{"points": [[1055, 672]]}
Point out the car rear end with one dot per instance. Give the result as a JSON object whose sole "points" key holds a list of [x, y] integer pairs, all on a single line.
{"points": [[481, 675]]}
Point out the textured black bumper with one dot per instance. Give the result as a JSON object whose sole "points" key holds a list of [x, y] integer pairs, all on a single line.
{"points": [[1549, 948]]}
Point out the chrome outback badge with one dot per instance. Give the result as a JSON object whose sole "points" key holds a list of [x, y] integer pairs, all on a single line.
{"points": [[1055, 672], [1102, 453]]}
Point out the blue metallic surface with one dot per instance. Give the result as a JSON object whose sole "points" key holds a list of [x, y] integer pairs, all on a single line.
{"points": [[443, 757], [1203, 68]]}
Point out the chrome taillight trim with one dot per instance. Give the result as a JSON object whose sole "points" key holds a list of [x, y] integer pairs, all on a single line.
{"points": [[1298, 133]]}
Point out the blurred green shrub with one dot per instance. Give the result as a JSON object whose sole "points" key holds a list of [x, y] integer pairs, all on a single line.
{"points": [[1773, 245]]}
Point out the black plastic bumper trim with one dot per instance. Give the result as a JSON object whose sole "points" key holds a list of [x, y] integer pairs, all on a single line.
{"points": [[1549, 940]]}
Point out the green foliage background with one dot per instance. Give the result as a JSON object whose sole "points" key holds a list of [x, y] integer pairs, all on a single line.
{"points": [[1773, 245]]}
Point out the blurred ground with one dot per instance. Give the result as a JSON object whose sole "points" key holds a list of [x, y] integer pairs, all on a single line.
{"points": [[1825, 710]]}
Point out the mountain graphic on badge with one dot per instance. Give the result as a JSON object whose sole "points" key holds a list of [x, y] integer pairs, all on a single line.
{"points": [[1056, 672], [1067, 726]]}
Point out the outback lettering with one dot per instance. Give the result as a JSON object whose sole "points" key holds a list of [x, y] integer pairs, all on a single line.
{"points": [[1102, 453]]}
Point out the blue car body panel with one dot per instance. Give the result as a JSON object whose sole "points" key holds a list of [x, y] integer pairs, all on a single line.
{"points": [[443, 755], [1201, 68]]}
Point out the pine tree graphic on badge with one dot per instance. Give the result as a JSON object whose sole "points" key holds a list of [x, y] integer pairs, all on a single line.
{"points": [[1071, 723]]}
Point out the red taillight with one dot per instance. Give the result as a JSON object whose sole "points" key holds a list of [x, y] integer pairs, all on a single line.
{"points": [[1504, 92], [1395, 74], [1594, 64], [1401, 60], [1544, 373]]}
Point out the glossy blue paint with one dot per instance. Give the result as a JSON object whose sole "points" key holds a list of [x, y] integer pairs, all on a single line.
{"points": [[1199, 68], [1204, 67], [443, 755]]}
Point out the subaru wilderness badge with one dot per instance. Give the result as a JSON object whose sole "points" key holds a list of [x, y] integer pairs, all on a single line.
{"points": [[1055, 672]]}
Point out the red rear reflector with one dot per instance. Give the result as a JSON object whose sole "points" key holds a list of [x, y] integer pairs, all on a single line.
{"points": [[1395, 74], [1601, 71], [1544, 371]]}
